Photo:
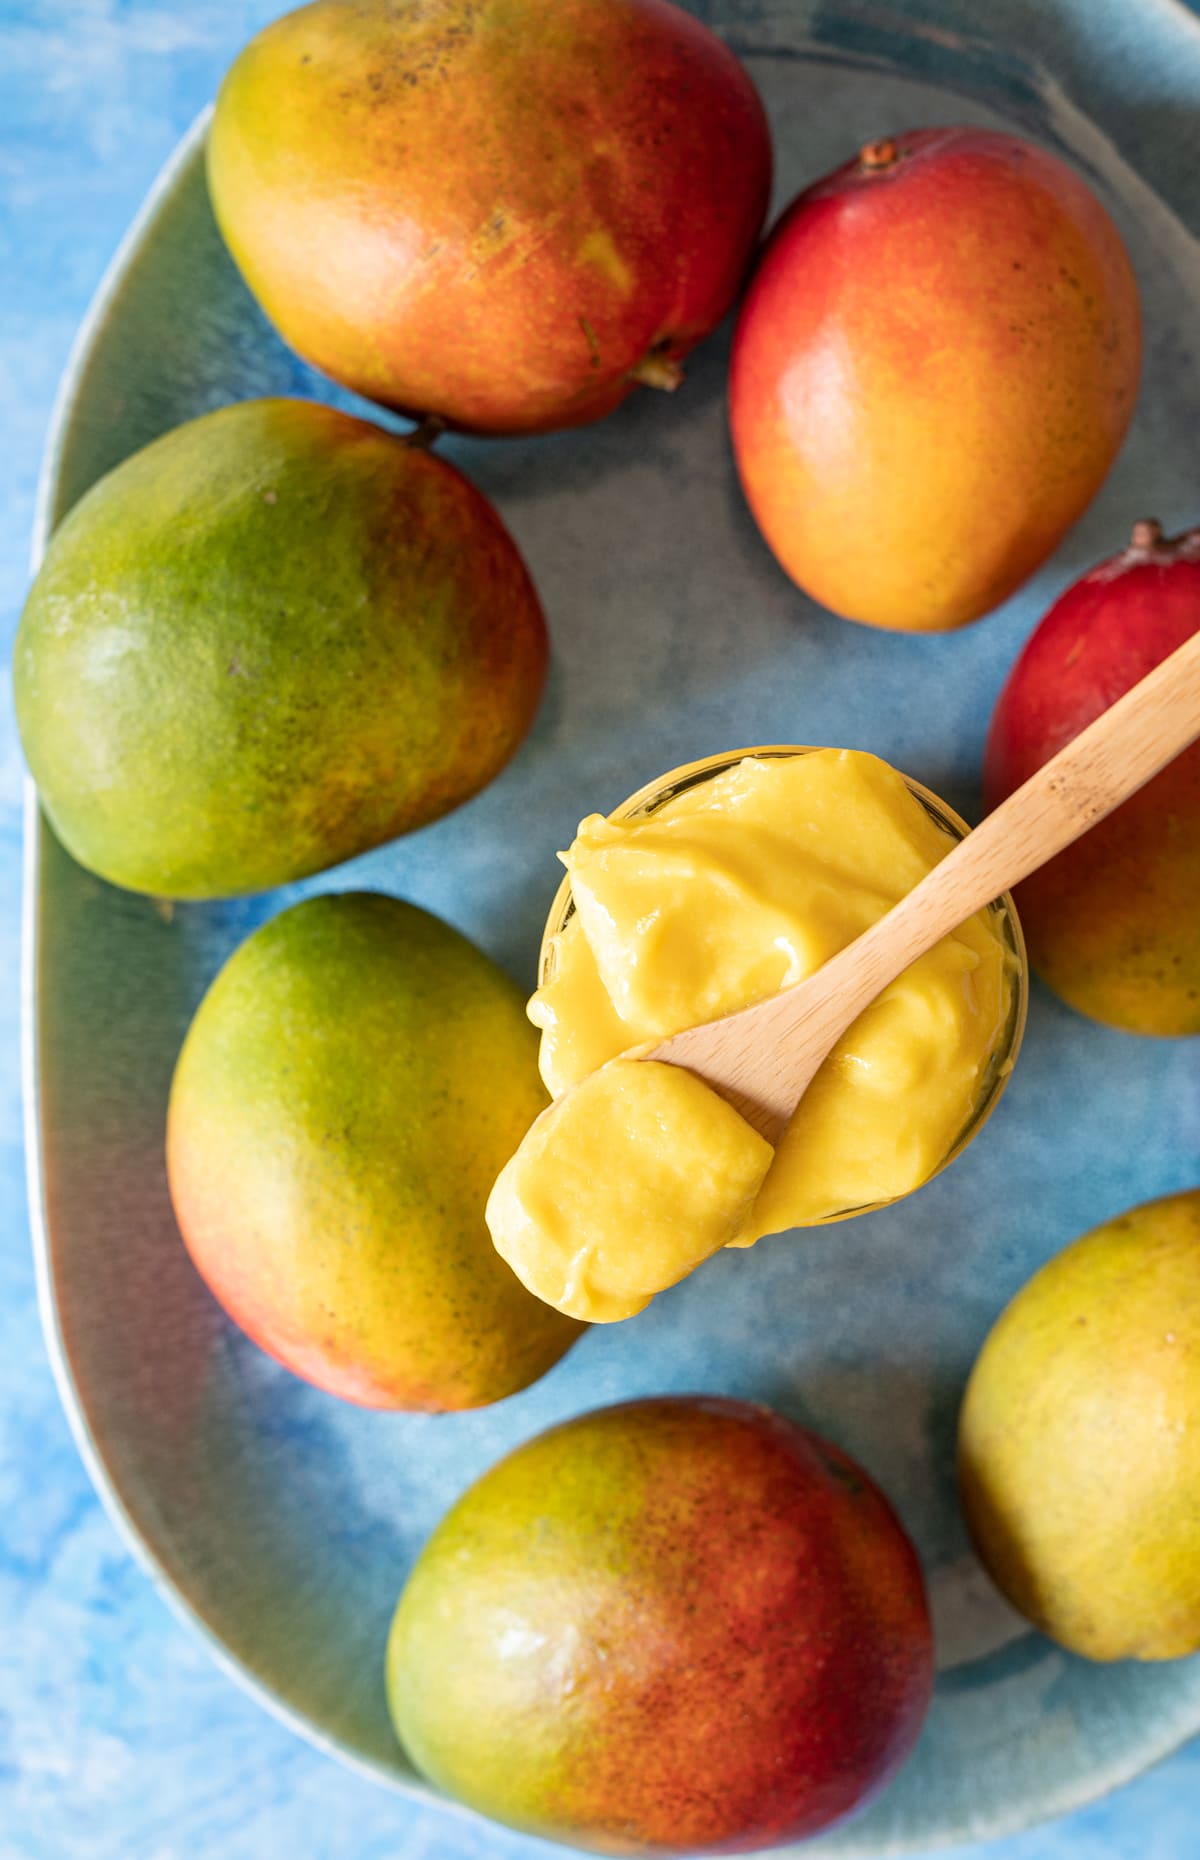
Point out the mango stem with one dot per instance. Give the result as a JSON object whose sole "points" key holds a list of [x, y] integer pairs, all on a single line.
{"points": [[658, 371], [426, 434], [882, 154], [1148, 544]]}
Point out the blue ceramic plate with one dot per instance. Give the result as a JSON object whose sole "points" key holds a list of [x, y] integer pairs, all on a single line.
{"points": [[282, 1523]]}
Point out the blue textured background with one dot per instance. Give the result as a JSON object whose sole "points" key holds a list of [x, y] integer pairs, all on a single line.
{"points": [[119, 1739]]}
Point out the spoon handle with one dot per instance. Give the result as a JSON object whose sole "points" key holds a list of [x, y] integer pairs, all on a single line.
{"points": [[763, 1058], [1115, 756]]}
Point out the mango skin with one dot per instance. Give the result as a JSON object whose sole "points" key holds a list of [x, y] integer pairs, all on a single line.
{"points": [[933, 370], [1111, 923], [490, 210], [350, 1085], [1079, 1440], [676, 1625], [272, 639]]}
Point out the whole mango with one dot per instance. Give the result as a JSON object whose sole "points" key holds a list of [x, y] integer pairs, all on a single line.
{"points": [[677, 1625], [272, 639], [502, 212], [1111, 924], [350, 1085], [1079, 1440], [932, 373]]}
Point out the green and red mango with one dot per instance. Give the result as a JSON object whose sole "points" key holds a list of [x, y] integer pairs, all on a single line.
{"points": [[349, 1088], [677, 1625], [274, 638]]}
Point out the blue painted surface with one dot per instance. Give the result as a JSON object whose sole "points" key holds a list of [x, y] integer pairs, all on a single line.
{"points": [[118, 1737]]}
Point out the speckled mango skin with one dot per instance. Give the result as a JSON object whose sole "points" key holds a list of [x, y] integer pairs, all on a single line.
{"points": [[272, 639], [677, 1625], [932, 373], [352, 1082], [490, 210], [1079, 1441], [1113, 923]]}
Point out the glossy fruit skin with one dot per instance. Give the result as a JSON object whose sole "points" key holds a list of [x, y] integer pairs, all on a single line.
{"points": [[272, 639], [933, 370], [490, 210], [1079, 1440], [677, 1625], [1111, 924], [351, 1084]]}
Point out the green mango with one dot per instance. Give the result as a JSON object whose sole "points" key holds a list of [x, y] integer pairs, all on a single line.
{"points": [[1079, 1440], [348, 1090], [272, 639]]}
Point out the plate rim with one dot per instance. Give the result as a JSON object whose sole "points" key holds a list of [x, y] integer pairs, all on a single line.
{"points": [[1051, 1804], [34, 830]]}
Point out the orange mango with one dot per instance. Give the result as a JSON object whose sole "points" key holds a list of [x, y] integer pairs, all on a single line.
{"points": [[932, 373], [501, 212]]}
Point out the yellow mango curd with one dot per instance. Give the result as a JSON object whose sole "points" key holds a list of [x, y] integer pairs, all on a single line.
{"points": [[736, 884]]}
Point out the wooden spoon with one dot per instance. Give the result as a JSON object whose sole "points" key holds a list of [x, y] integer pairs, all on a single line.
{"points": [[763, 1059]]}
